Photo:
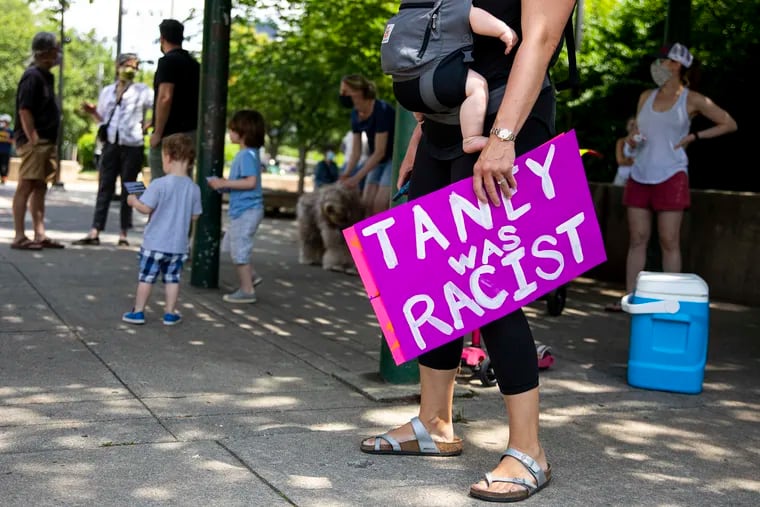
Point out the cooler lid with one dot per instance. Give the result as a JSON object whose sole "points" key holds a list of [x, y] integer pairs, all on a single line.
{"points": [[672, 284]]}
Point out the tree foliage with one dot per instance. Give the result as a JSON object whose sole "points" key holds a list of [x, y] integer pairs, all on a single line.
{"points": [[614, 63], [15, 40], [293, 78], [84, 57], [287, 58], [297, 75]]}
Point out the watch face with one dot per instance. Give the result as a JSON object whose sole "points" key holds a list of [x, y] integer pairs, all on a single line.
{"points": [[504, 134]]}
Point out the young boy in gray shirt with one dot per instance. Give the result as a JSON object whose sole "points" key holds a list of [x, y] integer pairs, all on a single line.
{"points": [[173, 202]]}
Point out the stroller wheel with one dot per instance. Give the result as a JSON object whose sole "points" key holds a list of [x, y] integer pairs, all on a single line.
{"points": [[555, 301], [486, 374]]}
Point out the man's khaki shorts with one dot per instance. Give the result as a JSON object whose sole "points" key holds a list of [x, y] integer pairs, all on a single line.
{"points": [[38, 162]]}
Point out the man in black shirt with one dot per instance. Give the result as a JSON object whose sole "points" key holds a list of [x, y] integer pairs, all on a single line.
{"points": [[37, 121], [175, 88]]}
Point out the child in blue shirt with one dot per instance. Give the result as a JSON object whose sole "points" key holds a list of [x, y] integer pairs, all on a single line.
{"points": [[246, 210], [173, 202]]}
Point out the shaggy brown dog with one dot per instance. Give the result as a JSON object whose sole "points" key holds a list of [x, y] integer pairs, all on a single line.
{"points": [[321, 217]]}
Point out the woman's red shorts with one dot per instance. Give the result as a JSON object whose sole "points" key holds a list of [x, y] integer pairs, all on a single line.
{"points": [[670, 195]]}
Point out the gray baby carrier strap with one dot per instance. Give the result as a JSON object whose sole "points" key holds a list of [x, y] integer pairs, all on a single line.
{"points": [[423, 33]]}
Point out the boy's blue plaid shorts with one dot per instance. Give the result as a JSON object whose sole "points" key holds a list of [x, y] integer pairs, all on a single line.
{"points": [[152, 263]]}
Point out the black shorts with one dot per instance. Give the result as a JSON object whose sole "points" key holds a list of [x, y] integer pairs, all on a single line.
{"points": [[449, 81]]}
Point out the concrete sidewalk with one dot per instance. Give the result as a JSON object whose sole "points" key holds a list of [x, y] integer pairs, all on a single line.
{"points": [[266, 404]]}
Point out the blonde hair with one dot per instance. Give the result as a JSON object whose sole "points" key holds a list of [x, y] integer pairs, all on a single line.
{"points": [[180, 147]]}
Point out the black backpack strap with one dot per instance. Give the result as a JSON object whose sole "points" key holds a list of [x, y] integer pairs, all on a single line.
{"points": [[573, 80]]}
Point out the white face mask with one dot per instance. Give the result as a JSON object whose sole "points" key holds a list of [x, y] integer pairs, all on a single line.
{"points": [[660, 74]]}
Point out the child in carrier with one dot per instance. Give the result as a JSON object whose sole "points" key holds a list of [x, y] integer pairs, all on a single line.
{"points": [[430, 68]]}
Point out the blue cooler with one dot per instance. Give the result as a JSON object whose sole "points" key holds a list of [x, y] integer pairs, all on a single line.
{"points": [[669, 330]]}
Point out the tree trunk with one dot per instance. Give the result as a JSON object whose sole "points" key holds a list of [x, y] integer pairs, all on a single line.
{"points": [[301, 168]]}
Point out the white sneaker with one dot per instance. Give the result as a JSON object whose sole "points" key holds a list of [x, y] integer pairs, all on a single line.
{"points": [[240, 297]]}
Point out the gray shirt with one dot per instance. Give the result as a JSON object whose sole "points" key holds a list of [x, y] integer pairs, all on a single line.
{"points": [[175, 200]]}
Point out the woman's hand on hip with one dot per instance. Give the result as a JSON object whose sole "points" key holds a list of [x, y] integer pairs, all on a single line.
{"points": [[492, 173]]}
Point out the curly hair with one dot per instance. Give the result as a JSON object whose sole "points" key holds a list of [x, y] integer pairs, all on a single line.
{"points": [[179, 147]]}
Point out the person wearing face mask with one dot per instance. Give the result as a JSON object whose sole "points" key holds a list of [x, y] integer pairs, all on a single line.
{"points": [[176, 87], [326, 171], [377, 119], [659, 182], [6, 146], [37, 122], [122, 113]]}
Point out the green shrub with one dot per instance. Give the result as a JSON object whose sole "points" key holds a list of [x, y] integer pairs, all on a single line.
{"points": [[86, 151]]}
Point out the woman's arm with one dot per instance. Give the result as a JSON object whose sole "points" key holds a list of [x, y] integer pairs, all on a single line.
{"points": [[356, 153], [543, 22], [381, 144], [724, 122], [411, 152]]}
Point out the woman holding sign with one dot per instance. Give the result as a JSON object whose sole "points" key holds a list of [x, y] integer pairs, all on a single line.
{"points": [[520, 118]]}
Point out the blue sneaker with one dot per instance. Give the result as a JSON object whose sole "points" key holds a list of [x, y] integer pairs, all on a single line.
{"points": [[172, 318], [134, 317]]}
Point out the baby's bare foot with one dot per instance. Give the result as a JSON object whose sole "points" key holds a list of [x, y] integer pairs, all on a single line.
{"points": [[474, 144]]}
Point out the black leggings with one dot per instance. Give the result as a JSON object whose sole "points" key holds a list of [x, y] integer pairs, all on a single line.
{"points": [[116, 161], [508, 339]]}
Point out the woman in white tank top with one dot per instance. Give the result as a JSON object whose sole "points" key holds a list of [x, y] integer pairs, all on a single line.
{"points": [[659, 177]]}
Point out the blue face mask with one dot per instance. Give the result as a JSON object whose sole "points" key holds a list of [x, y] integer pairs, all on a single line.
{"points": [[330, 156]]}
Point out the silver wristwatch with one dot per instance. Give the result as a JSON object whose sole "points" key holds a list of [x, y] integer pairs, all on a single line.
{"points": [[503, 134]]}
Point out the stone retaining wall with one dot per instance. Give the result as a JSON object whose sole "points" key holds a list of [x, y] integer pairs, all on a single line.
{"points": [[720, 240]]}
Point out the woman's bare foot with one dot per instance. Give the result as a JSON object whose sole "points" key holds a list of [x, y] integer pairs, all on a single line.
{"points": [[511, 467], [474, 144]]}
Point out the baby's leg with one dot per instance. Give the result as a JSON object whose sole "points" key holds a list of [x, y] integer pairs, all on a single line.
{"points": [[472, 113]]}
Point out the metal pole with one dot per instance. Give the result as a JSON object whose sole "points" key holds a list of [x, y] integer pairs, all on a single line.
{"points": [[408, 372], [677, 24], [58, 184], [211, 129], [118, 40], [677, 29]]}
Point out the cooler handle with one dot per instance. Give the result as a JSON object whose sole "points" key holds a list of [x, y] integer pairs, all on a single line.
{"points": [[677, 317], [665, 306]]}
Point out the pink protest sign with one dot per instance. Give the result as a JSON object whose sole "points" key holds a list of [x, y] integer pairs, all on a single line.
{"points": [[445, 264]]}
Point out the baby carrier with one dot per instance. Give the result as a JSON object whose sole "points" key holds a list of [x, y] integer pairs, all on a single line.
{"points": [[422, 35], [414, 40]]}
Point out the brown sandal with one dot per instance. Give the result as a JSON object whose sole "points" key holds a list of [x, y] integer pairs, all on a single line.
{"points": [[25, 244], [50, 243], [422, 445], [541, 479]]}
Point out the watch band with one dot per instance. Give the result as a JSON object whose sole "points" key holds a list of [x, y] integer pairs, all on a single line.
{"points": [[503, 134]]}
